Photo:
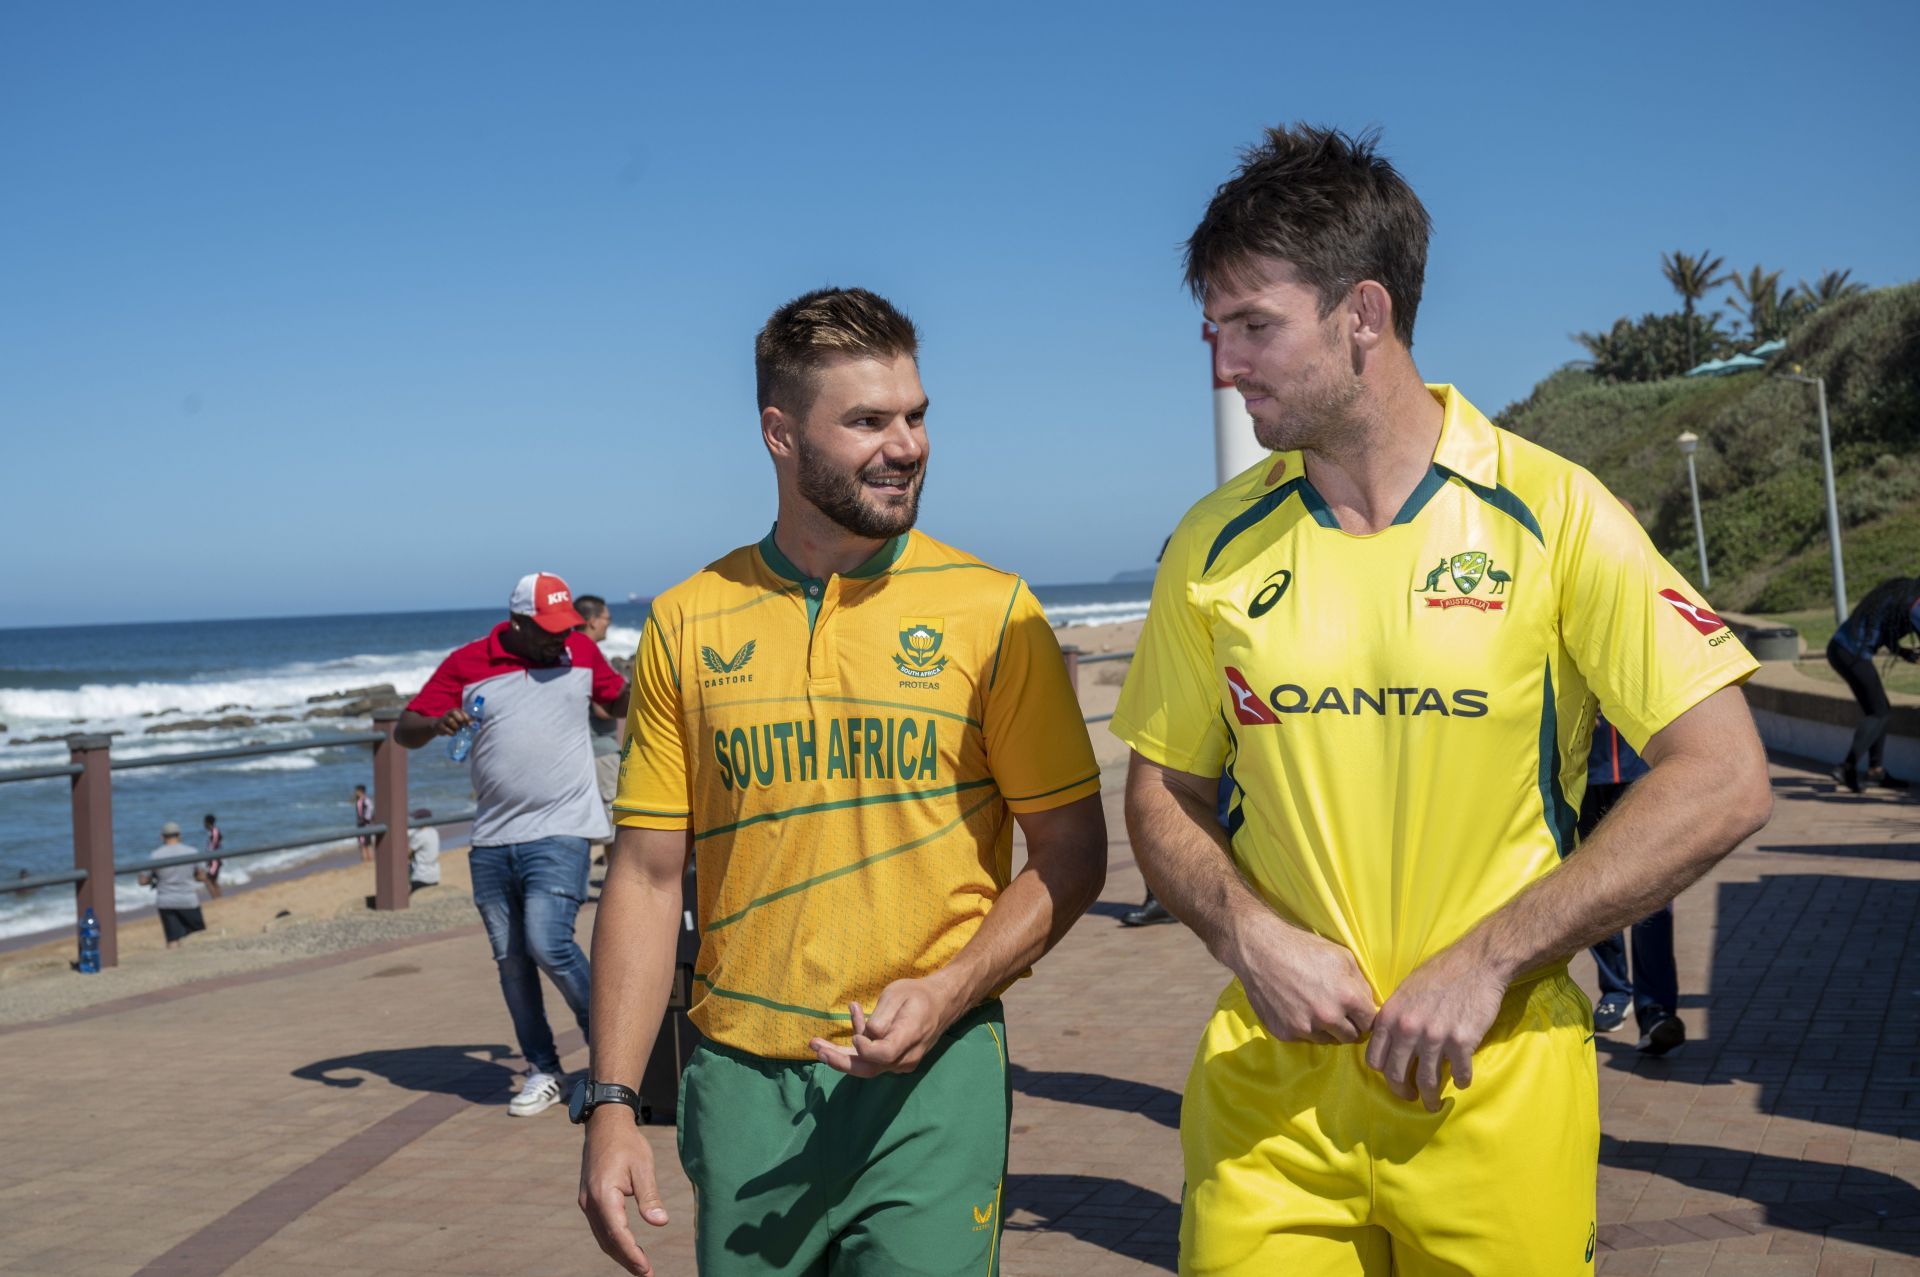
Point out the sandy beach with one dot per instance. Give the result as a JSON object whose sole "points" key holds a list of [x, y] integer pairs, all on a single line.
{"points": [[308, 911]]}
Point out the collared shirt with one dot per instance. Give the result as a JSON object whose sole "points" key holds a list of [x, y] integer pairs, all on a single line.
{"points": [[848, 753], [532, 763], [1406, 715]]}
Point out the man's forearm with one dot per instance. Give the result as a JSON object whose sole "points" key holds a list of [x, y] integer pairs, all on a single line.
{"points": [[633, 950], [1183, 854], [1064, 873], [414, 730], [1668, 830]]}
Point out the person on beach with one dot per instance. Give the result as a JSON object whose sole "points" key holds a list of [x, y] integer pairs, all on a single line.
{"points": [[177, 891], [1889, 613], [213, 855], [537, 806], [1400, 1077], [423, 852], [841, 724], [363, 816], [604, 729]]}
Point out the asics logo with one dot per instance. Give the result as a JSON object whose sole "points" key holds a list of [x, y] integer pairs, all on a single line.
{"points": [[1269, 594]]}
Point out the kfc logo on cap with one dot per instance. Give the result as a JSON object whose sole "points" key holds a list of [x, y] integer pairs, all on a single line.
{"points": [[546, 598]]}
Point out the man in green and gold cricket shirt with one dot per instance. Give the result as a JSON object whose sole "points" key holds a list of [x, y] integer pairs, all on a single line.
{"points": [[842, 724]]}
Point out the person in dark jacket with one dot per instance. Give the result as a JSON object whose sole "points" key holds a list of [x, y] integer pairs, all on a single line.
{"points": [[1889, 613]]}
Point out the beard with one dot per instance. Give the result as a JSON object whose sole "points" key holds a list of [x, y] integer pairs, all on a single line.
{"points": [[1310, 417], [844, 498]]}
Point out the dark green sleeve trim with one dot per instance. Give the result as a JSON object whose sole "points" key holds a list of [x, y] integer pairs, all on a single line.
{"points": [[995, 676], [1501, 499], [648, 811], [1027, 798], [1248, 517]]}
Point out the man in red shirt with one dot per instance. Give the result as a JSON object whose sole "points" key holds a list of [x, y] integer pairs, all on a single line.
{"points": [[525, 688]]}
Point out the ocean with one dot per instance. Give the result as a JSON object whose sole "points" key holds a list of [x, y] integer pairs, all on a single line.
{"points": [[132, 679]]}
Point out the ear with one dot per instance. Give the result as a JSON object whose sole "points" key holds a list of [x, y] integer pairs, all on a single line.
{"points": [[779, 430], [1372, 309]]}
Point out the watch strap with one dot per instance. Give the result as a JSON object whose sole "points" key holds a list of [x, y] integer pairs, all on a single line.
{"points": [[598, 1093]]}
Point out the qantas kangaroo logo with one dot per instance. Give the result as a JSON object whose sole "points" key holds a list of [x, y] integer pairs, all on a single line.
{"points": [[1247, 705], [1696, 616]]}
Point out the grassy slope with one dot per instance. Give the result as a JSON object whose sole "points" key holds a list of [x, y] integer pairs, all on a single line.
{"points": [[1759, 456]]}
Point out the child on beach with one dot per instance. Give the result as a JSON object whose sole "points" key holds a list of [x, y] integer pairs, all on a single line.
{"points": [[362, 816], [178, 895]]}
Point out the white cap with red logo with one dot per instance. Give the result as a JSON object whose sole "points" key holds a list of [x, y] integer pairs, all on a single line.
{"points": [[546, 598]]}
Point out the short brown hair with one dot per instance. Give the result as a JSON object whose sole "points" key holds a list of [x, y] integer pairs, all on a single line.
{"points": [[1326, 202], [800, 336]]}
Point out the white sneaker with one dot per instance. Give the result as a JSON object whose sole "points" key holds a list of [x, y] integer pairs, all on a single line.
{"points": [[540, 1092]]}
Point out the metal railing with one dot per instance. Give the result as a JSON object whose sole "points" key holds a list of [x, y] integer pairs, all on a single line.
{"points": [[93, 765], [1076, 658], [94, 870]]}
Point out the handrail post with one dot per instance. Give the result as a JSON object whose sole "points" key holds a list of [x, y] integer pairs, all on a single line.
{"points": [[390, 885], [1073, 655], [93, 841]]}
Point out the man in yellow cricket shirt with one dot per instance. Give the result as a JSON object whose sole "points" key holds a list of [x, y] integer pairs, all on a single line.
{"points": [[842, 724], [1390, 636]]}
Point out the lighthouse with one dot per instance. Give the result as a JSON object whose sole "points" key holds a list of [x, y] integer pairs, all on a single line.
{"points": [[1234, 447]]}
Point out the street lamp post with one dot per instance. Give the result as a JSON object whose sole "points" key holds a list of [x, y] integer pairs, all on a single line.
{"points": [[1688, 442], [1833, 505]]}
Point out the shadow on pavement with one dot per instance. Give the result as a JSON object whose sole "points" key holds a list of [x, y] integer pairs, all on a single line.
{"points": [[1812, 1004], [1121, 1217], [1097, 1090], [469, 1072]]}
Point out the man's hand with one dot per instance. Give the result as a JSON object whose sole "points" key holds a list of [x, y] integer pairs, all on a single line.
{"points": [[1303, 988], [1440, 1013], [907, 1020], [616, 1163], [1908, 654], [451, 722]]}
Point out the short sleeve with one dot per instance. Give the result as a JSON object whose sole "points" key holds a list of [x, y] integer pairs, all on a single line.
{"points": [[1647, 643], [1037, 745], [607, 684], [1169, 710], [442, 691], [653, 791]]}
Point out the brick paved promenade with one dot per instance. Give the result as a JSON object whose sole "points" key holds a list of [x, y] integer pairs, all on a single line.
{"points": [[345, 1115]]}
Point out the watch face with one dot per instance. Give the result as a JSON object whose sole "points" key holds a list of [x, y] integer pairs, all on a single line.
{"points": [[577, 1105]]}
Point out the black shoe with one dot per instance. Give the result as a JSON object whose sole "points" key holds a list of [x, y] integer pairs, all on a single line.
{"points": [[1845, 774], [1149, 914], [1879, 778], [1663, 1037]]}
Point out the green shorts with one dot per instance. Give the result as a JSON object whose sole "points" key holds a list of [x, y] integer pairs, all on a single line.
{"points": [[802, 1171]]}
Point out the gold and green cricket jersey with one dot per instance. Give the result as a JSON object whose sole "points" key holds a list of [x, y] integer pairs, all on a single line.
{"points": [[848, 754], [1405, 715]]}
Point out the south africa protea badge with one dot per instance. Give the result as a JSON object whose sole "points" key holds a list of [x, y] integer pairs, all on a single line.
{"points": [[920, 639]]}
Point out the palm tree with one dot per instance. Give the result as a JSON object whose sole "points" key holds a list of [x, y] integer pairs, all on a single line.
{"points": [[1692, 277], [1758, 300], [1831, 287]]}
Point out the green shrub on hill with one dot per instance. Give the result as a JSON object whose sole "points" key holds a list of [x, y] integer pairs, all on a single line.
{"points": [[1759, 456]]}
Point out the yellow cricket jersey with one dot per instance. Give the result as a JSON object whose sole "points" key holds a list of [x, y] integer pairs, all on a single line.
{"points": [[1405, 716], [847, 753]]}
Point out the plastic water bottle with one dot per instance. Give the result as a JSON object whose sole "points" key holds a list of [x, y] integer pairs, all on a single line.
{"points": [[90, 944], [460, 744]]}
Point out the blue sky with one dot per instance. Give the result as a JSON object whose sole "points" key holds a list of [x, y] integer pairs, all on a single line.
{"points": [[356, 307]]}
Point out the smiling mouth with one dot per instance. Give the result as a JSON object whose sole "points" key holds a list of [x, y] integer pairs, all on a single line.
{"points": [[891, 484]]}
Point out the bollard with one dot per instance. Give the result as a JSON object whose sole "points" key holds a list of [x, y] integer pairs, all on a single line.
{"points": [[93, 841], [390, 885], [1073, 655]]}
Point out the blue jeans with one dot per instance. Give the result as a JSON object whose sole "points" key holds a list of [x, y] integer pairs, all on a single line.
{"points": [[528, 894]]}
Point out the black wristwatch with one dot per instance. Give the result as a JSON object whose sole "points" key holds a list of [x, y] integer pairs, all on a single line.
{"points": [[589, 1095]]}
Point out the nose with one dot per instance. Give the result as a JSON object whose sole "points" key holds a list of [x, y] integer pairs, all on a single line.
{"points": [[1229, 361], [903, 444]]}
